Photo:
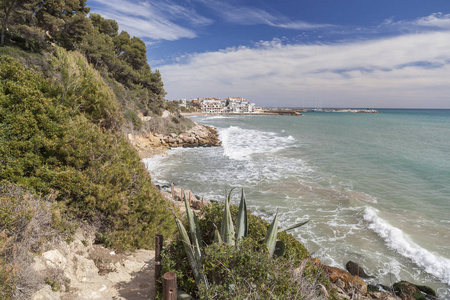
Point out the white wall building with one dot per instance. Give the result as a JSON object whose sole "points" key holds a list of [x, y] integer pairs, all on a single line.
{"points": [[212, 106]]}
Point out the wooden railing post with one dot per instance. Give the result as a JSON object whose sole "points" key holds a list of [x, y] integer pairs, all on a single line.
{"points": [[170, 286], [172, 190], [158, 249]]}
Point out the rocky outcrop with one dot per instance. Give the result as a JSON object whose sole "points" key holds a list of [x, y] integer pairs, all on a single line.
{"points": [[198, 136], [80, 270], [348, 286], [175, 195], [346, 282], [149, 144], [363, 111], [355, 269], [409, 291]]}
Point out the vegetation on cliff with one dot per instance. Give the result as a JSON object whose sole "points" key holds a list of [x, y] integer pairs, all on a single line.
{"points": [[245, 270], [63, 154]]}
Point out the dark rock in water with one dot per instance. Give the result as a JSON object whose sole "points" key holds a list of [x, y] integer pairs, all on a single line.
{"points": [[158, 187], [386, 288], [373, 288], [354, 269], [407, 290]]}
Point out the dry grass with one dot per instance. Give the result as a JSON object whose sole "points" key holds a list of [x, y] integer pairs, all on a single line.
{"points": [[25, 228]]}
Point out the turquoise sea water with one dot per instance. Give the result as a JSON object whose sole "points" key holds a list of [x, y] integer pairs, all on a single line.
{"points": [[375, 187]]}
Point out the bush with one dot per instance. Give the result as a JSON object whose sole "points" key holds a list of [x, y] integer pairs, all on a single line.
{"points": [[50, 146], [245, 271], [132, 117]]}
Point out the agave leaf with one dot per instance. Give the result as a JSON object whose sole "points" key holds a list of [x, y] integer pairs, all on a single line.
{"points": [[280, 248], [196, 265], [193, 227], [242, 219], [271, 236], [227, 228], [217, 237], [197, 231], [292, 227], [229, 195]]}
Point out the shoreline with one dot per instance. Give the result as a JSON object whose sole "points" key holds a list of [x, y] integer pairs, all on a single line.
{"points": [[342, 268], [349, 282]]}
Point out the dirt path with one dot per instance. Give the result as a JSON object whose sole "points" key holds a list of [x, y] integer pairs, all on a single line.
{"points": [[80, 270]]}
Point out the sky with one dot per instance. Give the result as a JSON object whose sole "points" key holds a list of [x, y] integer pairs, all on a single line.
{"points": [[296, 53]]}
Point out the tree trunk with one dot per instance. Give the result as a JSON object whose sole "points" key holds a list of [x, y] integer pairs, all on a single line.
{"points": [[8, 11]]}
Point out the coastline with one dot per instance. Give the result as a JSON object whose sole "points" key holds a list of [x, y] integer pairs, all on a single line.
{"points": [[253, 137], [348, 283]]}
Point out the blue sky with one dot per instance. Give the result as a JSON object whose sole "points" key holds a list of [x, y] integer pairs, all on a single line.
{"points": [[329, 53]]}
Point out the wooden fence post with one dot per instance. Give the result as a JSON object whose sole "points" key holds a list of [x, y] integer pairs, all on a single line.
{"points": [[170, 286], [172, 190], [158, 248]]}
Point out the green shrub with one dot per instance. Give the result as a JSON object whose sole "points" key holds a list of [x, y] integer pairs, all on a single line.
{"points": [[245, 271], [50, 146], [131, 116], [257, 229]]}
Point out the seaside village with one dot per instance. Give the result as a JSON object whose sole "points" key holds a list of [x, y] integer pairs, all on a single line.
{"points": [[218, 106]]}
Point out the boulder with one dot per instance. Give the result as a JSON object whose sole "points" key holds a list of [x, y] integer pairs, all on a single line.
{"points": [[382, 296], [85, 269], [54, 259], [165, 114], [409, 291], [355, 269], [345, 280]]}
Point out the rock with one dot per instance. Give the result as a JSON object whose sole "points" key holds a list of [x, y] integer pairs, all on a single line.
{"points": [[382, 296], [85, 269], [165, 114], [350, 282], [54, 259], [46, 293], [355, 269], [409, 291]]}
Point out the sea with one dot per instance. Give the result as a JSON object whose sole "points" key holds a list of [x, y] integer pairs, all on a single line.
{"points": [[374, 187]]}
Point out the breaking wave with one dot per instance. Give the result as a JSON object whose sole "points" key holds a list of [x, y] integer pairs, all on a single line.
{"points": [[241, 144], [397, 240]]}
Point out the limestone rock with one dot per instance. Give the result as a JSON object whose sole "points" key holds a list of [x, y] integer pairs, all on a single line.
{"points": [[85, 269], [350, 282], [46, 293], [54, 259], [165, 114]]}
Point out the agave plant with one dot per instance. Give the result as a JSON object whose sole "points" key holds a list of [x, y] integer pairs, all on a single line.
{"points": [[192, 245], [227, 234]]}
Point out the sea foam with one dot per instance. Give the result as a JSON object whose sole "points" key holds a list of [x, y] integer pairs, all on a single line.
{"points": [[397, 240], [240, 144]]}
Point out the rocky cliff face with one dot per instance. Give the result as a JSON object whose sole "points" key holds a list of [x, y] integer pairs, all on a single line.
{"points": [[199, 135], [149, 144]]}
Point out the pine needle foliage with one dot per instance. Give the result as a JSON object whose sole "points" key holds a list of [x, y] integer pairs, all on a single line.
{"points": [[62, 137]]}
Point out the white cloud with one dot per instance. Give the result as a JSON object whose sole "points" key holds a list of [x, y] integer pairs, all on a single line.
{"points": [[405, 71], [435, 20], [245, 15], [153, 20]]}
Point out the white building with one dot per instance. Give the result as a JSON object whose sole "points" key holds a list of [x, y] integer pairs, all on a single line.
{"points": [[212, 106]]}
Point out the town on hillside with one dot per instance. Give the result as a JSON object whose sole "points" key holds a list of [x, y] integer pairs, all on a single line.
{"points": [[218, 106]]}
